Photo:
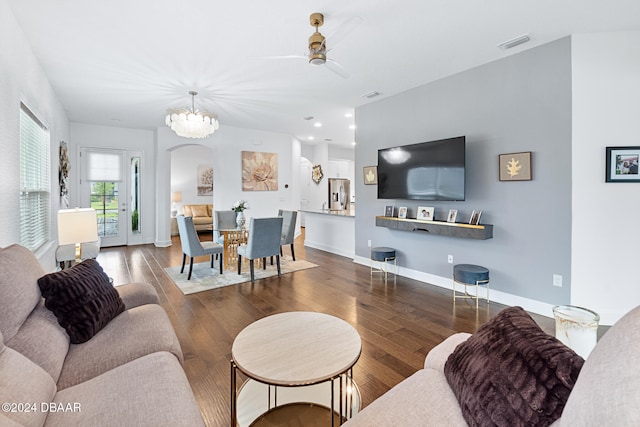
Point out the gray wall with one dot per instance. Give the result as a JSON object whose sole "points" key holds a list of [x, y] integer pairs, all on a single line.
{"points": [[519, 103]]}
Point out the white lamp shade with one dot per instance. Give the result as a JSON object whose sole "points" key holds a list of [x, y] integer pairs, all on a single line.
{"points": [[176, 196], [77, 226]]}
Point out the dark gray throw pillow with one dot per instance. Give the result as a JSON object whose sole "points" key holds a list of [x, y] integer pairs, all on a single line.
{"points": [[82, 298], [511, 373]]}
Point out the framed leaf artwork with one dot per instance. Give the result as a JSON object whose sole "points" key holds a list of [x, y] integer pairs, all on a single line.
{"points": [[515, 166]]}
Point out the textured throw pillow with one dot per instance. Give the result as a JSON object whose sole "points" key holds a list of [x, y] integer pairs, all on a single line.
{"points": [[511, 373], [82, 298]]}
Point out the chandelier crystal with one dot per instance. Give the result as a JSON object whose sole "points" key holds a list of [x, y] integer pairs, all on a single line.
{"points": [[191, 123]]}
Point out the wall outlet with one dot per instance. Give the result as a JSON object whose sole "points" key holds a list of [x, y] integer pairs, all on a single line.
{"points": [[450, 259], [369, 243], [557, 280]]}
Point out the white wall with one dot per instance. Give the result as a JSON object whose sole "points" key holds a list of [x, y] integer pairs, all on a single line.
{"points": [[606, 112], [22, 79], [184, 173], [84, 135], [227, 145]]}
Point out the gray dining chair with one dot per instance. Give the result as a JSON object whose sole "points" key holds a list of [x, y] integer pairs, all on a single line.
{"points": [[193, 247], [288, 229], [222, 220], [263, 242]]}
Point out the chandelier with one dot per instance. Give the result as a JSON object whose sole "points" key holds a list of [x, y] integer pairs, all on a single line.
{"points": [[191, 123]]}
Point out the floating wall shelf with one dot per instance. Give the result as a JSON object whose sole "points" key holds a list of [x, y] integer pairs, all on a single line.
{"points": [[442, 228]]}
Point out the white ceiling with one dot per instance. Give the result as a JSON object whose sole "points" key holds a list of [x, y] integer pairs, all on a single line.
{"points": [[124, 62]]}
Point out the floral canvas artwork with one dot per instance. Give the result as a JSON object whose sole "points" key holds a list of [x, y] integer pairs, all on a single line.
{"points": [[259, 171], [205, 180]]}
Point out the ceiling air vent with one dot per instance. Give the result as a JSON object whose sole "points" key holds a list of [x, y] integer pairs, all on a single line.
{"points": [[515, 42], [371, 94]]}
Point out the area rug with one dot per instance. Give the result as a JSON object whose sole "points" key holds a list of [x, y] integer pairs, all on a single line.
{"points": [[205, 278]]}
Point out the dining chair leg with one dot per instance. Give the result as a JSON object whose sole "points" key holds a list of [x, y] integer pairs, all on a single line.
{"points": [[184, 258], [239, 263], [220, 258], [211, 256], [251, 268], [264, 263], [278, 263], [190, 268], [293, 254]]}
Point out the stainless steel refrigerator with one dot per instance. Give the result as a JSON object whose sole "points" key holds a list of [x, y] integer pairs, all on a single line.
{"points": [[339, 194]]}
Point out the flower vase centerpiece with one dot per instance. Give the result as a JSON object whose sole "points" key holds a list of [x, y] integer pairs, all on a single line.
{"points": [[239, 208]]}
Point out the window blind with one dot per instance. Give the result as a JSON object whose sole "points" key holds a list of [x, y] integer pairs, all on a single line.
{"points": [[35, 192], [103, 166]]}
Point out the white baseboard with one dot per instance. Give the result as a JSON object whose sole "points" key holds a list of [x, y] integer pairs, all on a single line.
{"points": [[326, 248], [530, 305], [162, 244]]}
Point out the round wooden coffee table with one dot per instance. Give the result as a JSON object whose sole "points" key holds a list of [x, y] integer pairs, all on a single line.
{"points": [[298, 363]]}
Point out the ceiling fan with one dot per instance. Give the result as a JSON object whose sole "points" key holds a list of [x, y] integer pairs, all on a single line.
{"points": [[318, 46]]}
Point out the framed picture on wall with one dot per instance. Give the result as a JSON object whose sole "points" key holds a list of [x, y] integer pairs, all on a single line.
{"points": [[370, 175], [388, 210], [622, 164], [515, 166], [425, 213]]}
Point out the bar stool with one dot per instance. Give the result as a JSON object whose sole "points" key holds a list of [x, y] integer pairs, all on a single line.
{"points": [[383, 256], [470, 275]]}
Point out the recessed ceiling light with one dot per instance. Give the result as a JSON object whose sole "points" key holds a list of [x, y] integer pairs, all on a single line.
{"points": [[514, 42], [348, 115], [353, 143], [352, 126], [308, 118], [310, 138], [318, 124]]}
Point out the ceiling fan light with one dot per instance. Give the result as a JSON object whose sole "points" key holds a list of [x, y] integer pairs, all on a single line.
{"points": [[317, 59]]}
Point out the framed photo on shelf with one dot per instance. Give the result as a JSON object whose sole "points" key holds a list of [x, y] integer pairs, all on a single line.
{"points": [[402, 212], [515, 166], [370, 175], [622, 164], [388, 210], [453, 213], [425, 213], [475, 217]]}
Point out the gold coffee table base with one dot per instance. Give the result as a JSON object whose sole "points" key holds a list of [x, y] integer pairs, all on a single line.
{"points": [[297, 414]]}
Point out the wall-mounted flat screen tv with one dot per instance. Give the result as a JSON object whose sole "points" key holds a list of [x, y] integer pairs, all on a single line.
{"points": [[432, 170]]}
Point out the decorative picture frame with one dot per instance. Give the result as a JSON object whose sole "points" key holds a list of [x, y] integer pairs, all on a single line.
{"points": [[204, 185], [425, 213], [475, 217], [388, 210], [514, 166], [622, 164], [370, 175], [402, 212], [316, 174], [259, 171], [453, 214]]}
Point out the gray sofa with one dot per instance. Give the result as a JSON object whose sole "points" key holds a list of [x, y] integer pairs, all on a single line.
{"points": [[129, 374], [606, 393]]}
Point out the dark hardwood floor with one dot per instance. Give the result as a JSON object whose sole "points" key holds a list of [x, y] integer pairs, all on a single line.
{"points": [[399, 323]]}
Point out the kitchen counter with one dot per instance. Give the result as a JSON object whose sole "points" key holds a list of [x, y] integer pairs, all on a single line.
{"points": [[331, 231], [350, 212]]}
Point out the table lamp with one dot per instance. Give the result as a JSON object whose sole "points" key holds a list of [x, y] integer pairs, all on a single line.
{"points": [[176, 197], [77, 226]]}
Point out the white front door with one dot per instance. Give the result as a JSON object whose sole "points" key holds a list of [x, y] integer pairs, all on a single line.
{"points": [[104, 187]]}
